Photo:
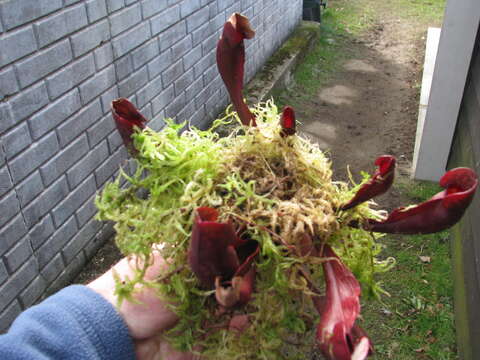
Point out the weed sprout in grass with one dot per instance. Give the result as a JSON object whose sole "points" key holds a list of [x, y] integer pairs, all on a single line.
{"points": [[261, 243]]}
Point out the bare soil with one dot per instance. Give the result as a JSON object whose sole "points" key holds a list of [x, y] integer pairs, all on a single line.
{"points": [[370, 106]]}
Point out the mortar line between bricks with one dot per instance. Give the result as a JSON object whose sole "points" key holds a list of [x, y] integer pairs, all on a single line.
{"points": [[17, 297]]}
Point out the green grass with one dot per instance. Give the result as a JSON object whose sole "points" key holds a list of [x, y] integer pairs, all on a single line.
{"points": [[429, 11], [339, 23], [416, 322]]}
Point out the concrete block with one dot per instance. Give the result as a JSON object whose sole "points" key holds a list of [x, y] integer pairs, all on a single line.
{"points": [[199, 119], [123, 67], [73, 127], [125, 19], [16, 13], [249, 14], [106, 99], [70, 2], [38, 208], [3, 273], [29, 101], [204, 95], [236, 7], [30, 188], [43, 63], [7, 117], [114, 142], [33, 157], [71, 76], [130, 2], [172, 35], [80, 240], [62, 161], [175, 107], [152, 7], [246, 4], [214, 105], [90, 38], [213, 9], [183, 81], [131, 39], [33, 292], [258, 7], [5, 182], [86, 212], [61, 24], [209, 44], [210, 74], [59, 239], [12, 232], [188, 7], [192, 57], [16, 140], [103, 56], [182, 47], [17, 282], [103, 235], [68, 274], [145, 53], [146, 111], [41, 232], [9, 314], [186, 112], [73, 201], [165, 19], [197, 19], [134, 82], [2, 153], [194, 89], [100, 130], [93, 87], [53, 268], [201, 34], [172, 73], [55, 114], [157, 123], [160, 63], [17, 255], [201, 66], [77, 173], [217, 22], [96, 10], [149, 91], [163, 99], [108, 168], [114, 5], [8, 83]]}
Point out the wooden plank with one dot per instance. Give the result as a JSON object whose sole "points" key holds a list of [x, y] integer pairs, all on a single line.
{"points": [[457, 40]]}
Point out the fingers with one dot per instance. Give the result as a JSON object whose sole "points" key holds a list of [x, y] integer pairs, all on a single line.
{"points": [[156, 348], [149, 315]]}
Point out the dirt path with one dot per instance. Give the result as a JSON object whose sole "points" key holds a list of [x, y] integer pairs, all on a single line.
{"points": [[369, 107]]}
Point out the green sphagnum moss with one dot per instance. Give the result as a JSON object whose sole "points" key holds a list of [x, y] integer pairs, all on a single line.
{"points": [[278, 188]]}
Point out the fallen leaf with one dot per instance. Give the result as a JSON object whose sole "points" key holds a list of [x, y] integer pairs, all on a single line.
{"points": [[425, 259]]}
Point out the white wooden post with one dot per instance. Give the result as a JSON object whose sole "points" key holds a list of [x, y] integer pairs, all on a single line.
{"points": [[434, 136]]}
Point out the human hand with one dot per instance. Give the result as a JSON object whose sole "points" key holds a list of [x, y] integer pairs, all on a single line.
{"points": [[147, 319]]}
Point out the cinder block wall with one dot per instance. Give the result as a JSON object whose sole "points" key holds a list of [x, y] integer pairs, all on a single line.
{"points": [[61, 64]]}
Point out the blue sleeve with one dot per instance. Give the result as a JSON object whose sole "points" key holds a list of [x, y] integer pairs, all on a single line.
{"points": [[75, 323]]}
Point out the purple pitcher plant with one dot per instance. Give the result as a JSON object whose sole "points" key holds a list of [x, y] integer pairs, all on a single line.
{"points": [[223, 261]]}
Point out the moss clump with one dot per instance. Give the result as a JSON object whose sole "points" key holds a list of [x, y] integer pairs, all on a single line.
{"points": [[275, 190]]}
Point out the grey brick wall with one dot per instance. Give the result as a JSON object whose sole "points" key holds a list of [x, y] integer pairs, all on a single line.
{"points": [[61, 64]]}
